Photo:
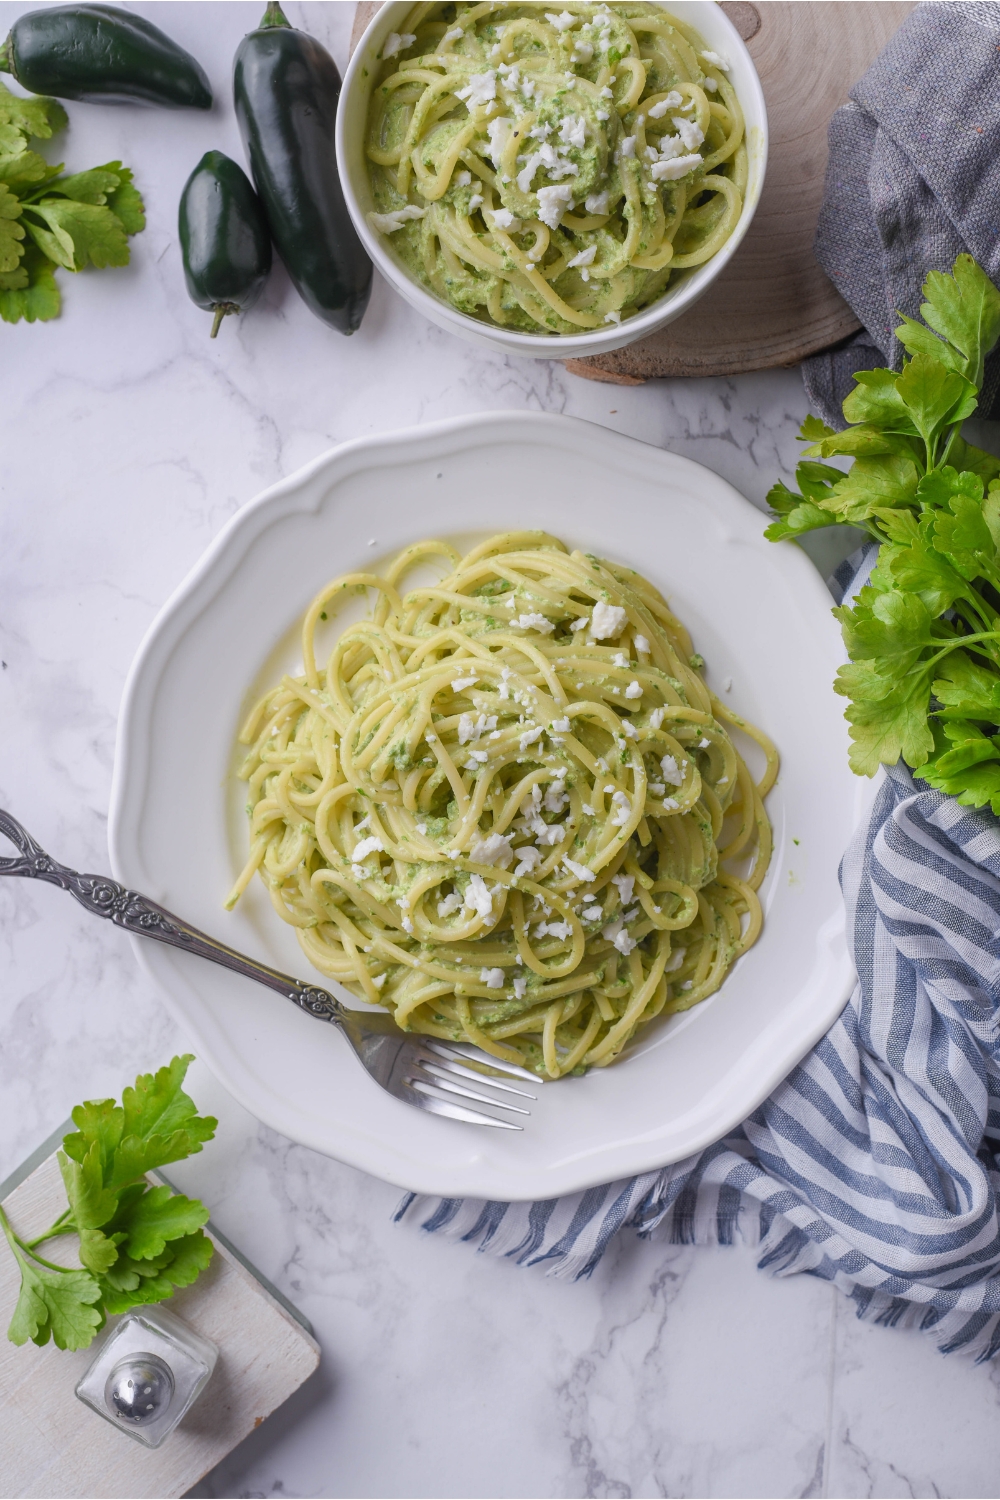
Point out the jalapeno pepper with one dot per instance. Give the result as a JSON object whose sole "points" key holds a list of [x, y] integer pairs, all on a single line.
{"points": [[103, 55], [225, 241], [286, 88]]}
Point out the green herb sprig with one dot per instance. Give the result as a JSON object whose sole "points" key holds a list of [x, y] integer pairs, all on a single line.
{"points": [[924, 635], [48, 220], [137, 1243]]}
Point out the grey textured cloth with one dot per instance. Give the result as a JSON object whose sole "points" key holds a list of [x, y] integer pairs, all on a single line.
{"points": [[913, 180]]}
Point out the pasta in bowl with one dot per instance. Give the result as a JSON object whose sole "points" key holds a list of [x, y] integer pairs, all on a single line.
{"points": [[578, 174], [507, 807]]}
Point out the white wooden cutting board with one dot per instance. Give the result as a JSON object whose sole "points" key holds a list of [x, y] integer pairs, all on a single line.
{"points": [[53, 1445]]}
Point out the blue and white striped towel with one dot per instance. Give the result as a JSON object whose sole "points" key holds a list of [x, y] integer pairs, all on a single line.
{"points": [[876, 1164]]}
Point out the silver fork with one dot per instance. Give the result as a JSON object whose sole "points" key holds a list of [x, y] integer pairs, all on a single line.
{"points": [[422, 1071]]}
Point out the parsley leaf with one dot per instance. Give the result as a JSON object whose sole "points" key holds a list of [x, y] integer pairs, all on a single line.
{"points": [[924, 635], [32, 117], [11, 232], [48, 219], [137, 1243], [30, 292]]}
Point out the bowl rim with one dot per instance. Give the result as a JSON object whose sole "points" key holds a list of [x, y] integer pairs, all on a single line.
{"points": [[547, 346]]}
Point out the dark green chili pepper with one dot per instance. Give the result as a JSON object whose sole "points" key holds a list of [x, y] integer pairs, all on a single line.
{"points": [[286, 88], [225, 241], [103, 55]]}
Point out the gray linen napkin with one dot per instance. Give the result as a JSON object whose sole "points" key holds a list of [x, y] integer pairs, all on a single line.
{"points": [[913, 180]]}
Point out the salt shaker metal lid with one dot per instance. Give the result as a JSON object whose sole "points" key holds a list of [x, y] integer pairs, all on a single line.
{"points": [[147, 1374]]}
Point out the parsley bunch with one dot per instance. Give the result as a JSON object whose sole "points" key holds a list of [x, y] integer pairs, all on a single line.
{"points": [[47, 220], [137, 1243], [924, 635]]}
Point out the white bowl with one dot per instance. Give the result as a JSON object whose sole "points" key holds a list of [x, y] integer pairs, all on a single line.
{"points": [[720, 35], [758, 613]]}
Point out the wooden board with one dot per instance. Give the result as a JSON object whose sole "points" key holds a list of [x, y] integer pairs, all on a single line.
{"points": [[772, 305], [51, 1444]]}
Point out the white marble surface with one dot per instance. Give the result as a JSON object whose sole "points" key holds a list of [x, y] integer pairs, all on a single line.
{"points": [[128, 438]]}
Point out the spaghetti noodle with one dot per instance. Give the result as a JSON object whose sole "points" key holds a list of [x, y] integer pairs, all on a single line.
{"points": [[508, 807], [551, 171]]}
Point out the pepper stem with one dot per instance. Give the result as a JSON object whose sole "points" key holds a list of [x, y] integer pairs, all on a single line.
{"points": [[274, 16], [222, 309], [5, 56]]}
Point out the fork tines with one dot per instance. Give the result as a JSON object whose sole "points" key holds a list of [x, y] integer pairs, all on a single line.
{"points": [[437, 1075]]}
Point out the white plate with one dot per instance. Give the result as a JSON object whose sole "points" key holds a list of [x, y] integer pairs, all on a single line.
{"points": [[757, 612]]}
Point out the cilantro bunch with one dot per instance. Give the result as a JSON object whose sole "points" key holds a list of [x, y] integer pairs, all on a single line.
{"points": [[924, 635], [47, 220], [138, 1243]]}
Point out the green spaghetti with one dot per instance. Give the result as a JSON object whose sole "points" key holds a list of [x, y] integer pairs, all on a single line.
{"points": [[550, 170], [507, 807]]}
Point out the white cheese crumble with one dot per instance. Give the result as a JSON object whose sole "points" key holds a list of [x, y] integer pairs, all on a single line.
{"points": [[656, 717], [642, 645], [463, 179], [633, 690], [710, 84], [561, 726], [554, 929], [628, 146], [453, 35], [366, 847], [389, 223], [449, 904], [615, 933], [626, 885], [528, 859], [612, 317], [478, 897], [534, 622], [528, 738], [593, 913], [553, 203], [561, 22], [476, 759], [670, 171], [462, 682], [499, 132], [583, 51], [629, 728], [492, 978], [395, 42], [582, 872], [585, 257], [520, 985], [492, 850], [607, 621], [690, 132], [573, 130], [673, 100], [480, 89], [672, 772], [715, 60], [622, 809], [476, 201], [596, 203]]}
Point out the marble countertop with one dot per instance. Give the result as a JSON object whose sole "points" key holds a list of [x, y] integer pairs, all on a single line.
{"points": [[128, 439]]}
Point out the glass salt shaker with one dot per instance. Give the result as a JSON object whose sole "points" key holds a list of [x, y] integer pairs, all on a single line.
{"points": [[147, 1375]]}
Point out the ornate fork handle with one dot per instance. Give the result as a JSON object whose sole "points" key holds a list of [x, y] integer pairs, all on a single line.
{"points": [[135, 913]]}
